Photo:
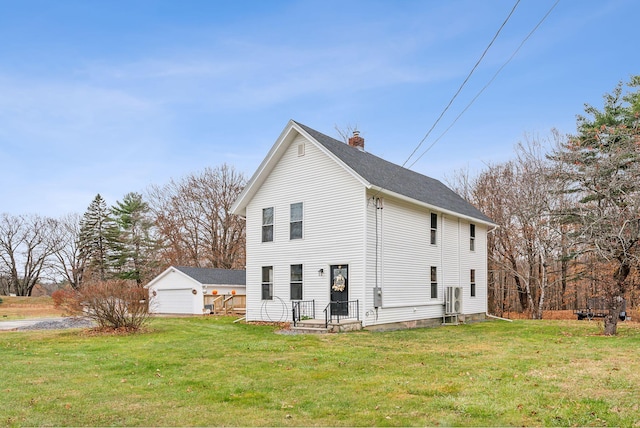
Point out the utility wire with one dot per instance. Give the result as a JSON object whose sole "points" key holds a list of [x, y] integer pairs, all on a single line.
{"points": [[463, 83], [487, 85]]}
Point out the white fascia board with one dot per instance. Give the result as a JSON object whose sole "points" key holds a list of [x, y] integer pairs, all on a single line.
{"points": [[431, 207], [159, 277], [165, 273]]}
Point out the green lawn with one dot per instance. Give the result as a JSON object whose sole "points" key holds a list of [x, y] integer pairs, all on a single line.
{"points": [[209, 371]]}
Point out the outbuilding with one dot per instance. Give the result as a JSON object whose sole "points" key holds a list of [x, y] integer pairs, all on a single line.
{"points": [[197, 291]]}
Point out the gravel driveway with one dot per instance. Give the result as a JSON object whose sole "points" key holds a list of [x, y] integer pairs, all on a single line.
{"points": [[47, 323]]}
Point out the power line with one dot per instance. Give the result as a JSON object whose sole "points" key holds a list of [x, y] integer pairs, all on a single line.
{"points": [[485, 86], [463, 83]]}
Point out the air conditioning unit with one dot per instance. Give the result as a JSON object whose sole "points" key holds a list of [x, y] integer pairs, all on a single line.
{"points": [[453, 300]]}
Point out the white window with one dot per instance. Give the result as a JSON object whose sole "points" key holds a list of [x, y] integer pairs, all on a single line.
{"points": [[472, 278], [434, 228], [434, 282], [296, 282], [267, 224], [267, 282], [472, 237], [295, 225]]}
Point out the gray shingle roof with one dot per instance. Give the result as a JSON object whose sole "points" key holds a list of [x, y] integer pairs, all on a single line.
{"points": [[397, 179], [215, 276]]}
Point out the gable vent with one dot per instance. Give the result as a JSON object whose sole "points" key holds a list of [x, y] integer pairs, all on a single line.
{"points": [[301, 149]]}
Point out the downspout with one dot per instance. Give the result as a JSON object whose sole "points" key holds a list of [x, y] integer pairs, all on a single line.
{"points": [[440, 243], [377, 205]]}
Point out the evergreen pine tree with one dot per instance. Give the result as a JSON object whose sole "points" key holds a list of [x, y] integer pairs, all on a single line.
{"points": [[132, 247], [601, 166], [95, 230]]}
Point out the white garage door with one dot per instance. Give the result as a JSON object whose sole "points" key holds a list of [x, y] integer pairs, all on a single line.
{"points": [[174, 301]]}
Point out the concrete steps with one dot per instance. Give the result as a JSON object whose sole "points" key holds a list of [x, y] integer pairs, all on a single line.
{"points": [[317, 326], [310, 327]]}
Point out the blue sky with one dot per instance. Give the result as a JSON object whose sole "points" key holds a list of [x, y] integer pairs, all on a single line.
{"points": [[113, 96]]}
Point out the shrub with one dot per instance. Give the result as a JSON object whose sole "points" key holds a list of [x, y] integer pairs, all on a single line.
{"points": [[68, 300], [117, 304]]}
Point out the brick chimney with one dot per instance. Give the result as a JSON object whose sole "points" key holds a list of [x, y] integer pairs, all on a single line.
{"points": [[357, 141]]}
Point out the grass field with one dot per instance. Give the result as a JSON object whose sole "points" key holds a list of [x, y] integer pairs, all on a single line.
{"points": [[210, 371], [19, 307]]}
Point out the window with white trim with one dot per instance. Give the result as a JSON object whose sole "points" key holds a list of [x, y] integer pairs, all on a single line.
{"points": [[472, 237], [267, 282], [296, 282], [295, 224], [267, 224], [472, 280], [434, 282], [434, 228]]}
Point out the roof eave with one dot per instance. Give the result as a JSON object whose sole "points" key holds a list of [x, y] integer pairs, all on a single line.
{"points": [[165, 273], [404, 198]]}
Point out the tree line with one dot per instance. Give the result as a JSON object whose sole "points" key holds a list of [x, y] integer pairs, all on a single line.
{"points": [[568, 214], [185, 222]]}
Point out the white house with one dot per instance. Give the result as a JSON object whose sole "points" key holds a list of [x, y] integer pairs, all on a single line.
{"points": [[193, 290], [328, 222]]}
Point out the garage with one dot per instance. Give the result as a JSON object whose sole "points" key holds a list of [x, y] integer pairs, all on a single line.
{"points": [[183, 290]]}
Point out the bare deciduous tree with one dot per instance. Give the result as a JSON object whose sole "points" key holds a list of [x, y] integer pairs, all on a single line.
{"points": [[194, 220], [520, 196], [601, 166], [69, 262], [25, 247]]}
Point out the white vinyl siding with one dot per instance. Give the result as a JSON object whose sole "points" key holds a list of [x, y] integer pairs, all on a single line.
{"points": [[334, 206], [476, 260], [451, 275], [405, 256], [405, 275]]}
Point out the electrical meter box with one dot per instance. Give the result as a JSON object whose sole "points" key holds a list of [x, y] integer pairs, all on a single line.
{"points": [[377, 297]]}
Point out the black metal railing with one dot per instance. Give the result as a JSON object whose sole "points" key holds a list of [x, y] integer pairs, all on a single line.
{"points": [[341, 311], [302, 310]]}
